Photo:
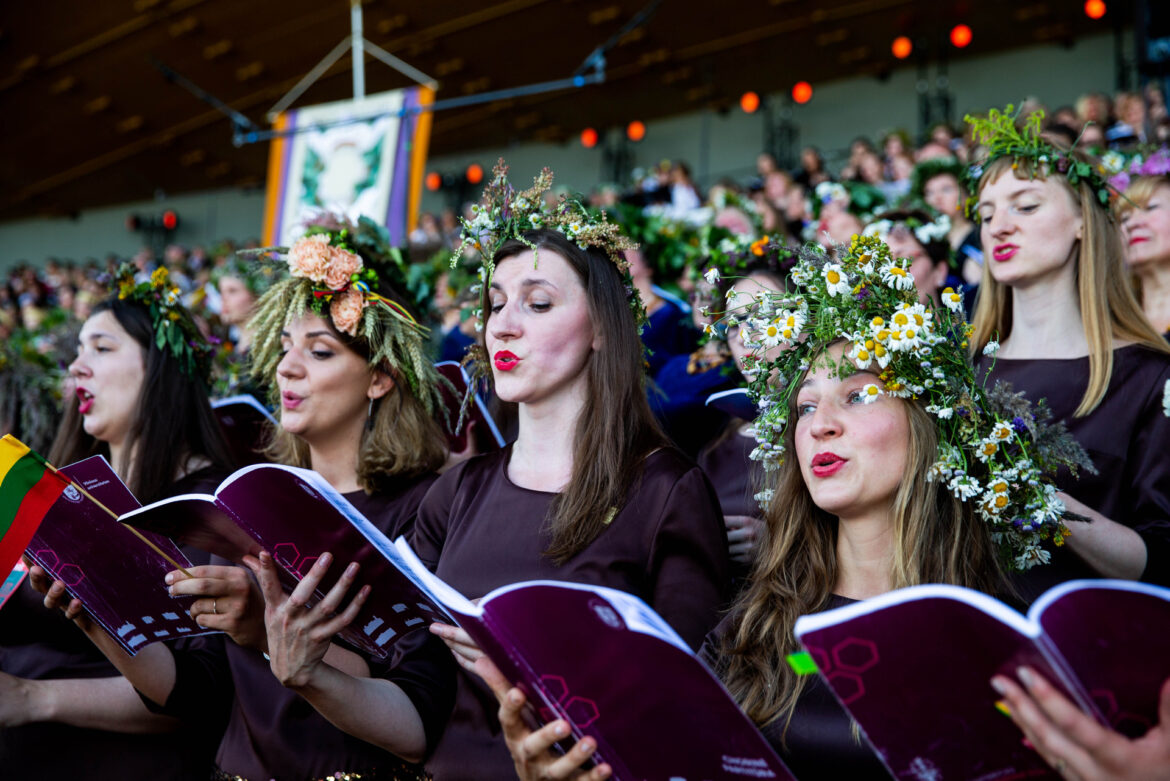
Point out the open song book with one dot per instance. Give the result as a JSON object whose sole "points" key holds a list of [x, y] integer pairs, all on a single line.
{"points": [[914, 666]]}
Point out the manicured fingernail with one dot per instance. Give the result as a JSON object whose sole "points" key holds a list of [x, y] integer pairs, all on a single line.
{"points": [[997, 684], [586, 747], [1002, 707], [1026, 677], [561, 729], [325, 559], [515, 697], [171, 590], [169, 579], [351, 570]]}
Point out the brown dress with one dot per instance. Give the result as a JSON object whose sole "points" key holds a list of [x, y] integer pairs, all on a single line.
{"points": [[1128, 438], [478, 531], [818, 742], [272, 733]]}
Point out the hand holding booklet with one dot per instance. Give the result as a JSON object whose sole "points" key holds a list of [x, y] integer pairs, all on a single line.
{"points": [[612, 668], [913, 667]]}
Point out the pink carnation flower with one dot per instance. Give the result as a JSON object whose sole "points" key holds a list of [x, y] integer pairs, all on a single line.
{"points": [[309, 257], [346, 310], [342, 265]]}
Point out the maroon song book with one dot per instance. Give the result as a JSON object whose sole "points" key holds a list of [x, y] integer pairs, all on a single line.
{"points": [[913, 668], [604, 661], [117, 576], [296, 516]]}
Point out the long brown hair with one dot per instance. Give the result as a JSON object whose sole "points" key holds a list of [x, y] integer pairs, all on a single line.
{"points": [[401, 440], [1108, 307], [937, 539], [616, 429], [174, 424]]}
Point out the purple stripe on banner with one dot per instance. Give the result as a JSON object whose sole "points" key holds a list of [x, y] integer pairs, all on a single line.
{"points": [[396, 214], [289, 141]]}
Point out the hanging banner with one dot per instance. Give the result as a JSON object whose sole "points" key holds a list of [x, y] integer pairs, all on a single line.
{"points": [[368, 162]]}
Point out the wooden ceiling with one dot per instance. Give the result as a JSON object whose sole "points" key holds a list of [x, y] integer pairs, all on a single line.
{"points": [[92, 122]]}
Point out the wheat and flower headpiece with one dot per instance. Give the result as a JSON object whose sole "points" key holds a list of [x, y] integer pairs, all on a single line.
{"points": [[335, 271], [995, 449]]}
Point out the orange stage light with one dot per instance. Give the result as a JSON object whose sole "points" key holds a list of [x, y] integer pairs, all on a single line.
{"points": [[902, 47], [636, 130], [588, 138], [434, 181], [1095, 9], [475, 173], [960, 36], [802, 92], [749, 102]]}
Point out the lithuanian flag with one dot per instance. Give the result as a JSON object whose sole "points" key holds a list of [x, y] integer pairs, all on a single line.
{"points": [[28, 488]]}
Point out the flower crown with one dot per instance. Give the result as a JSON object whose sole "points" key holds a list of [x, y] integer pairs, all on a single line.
{"points": [[994, 448], [1004, 136], [256, 277], [926, 233], [174, 329], [334, 271], [1122, 171], [503, 214]]}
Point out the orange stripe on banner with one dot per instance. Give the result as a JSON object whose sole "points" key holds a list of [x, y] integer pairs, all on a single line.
{"points": [[276, 177], [28, 518], [418, 156]]}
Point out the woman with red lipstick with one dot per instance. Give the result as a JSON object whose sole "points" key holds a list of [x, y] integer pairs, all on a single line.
{"points": [[590, 491], [875, 483], [1145, 228], [146, 410], [1056, 303], [358, 403]]}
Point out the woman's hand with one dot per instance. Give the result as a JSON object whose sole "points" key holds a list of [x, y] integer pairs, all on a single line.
{"points": [[466, 652], [299, 636], [15, 706], [742, 531], [57, 596], [229, 600], [1110, 548], [532, 750], [1074, 744]]}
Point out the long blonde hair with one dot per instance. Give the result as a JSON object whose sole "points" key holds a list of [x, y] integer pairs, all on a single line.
{"points": [[1137, 196], [937, 539], [1106, 300]]}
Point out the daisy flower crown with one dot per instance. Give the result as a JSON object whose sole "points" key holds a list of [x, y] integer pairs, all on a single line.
{"points": [[995, 449], [503, 214], [1004, 136], [335, 271], [174, 329]]}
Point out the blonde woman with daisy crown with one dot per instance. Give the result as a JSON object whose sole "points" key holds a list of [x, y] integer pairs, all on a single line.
{"points": [[357, 399], [1057, 318], [887, 465]]}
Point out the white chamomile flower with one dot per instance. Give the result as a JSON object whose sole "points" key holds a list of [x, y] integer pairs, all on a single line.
{"points": [[862, 353], [712, 276], [964, 487], [1001, 431], [836, 280], [992, 348], [733, 298], [952, 300], [987, 449], [790, 324], [897, 277], [946, 413], [870, 393], [521, 204], [770, 334]]}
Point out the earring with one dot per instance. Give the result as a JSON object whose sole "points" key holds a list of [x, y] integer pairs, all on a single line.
{"points": [[370, 416]]}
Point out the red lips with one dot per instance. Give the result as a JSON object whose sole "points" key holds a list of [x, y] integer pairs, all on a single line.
{"points": [[1138, 240], [505, 361], [1004, 252], [825, 464], [290, 400], [84, 400]]}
